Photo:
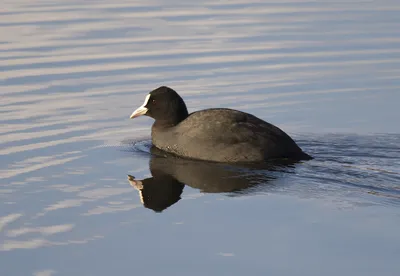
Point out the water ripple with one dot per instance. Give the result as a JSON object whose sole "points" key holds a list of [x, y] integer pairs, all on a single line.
{"points": [[71, 72]]}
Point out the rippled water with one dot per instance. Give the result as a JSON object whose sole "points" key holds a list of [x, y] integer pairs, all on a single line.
{"points": [[71, 73]]}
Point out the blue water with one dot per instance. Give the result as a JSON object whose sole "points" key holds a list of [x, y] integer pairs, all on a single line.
{"points": [[71, 73]]}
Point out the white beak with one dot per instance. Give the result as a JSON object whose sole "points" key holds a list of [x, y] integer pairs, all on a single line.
{"points": [[139, 112], [142, 109], [137, 184]]}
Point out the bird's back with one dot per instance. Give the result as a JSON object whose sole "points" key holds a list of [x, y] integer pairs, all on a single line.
{"points": [[227, 135]]}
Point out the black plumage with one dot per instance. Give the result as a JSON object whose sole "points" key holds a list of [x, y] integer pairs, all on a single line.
{"points": [[215, 134]]}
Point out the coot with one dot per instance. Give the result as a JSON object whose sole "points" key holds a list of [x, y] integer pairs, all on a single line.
{"points": [[215, 134]]}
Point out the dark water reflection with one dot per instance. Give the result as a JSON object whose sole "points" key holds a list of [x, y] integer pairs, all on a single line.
{"points": [[346, 167], [171, 174]]}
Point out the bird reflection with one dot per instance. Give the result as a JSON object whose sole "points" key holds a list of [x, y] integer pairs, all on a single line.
{"points": [[158, 192], [170, 174]]}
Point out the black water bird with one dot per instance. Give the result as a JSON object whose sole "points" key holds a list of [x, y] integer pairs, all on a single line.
{"points": [[215, 134]]}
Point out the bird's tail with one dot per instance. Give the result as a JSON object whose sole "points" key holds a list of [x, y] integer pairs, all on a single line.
{"points": [[304, 156]]}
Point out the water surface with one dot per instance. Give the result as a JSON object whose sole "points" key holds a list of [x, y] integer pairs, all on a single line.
{"points": [[71, 73]]}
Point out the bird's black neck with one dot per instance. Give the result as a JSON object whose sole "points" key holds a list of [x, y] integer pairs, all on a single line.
{"points": [[172, 119]]}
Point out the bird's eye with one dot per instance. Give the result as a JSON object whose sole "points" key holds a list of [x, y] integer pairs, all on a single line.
{"points": [[153, 101]]}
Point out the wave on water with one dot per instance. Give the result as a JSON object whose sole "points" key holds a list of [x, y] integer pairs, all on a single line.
{"points": [[343, 165]]}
